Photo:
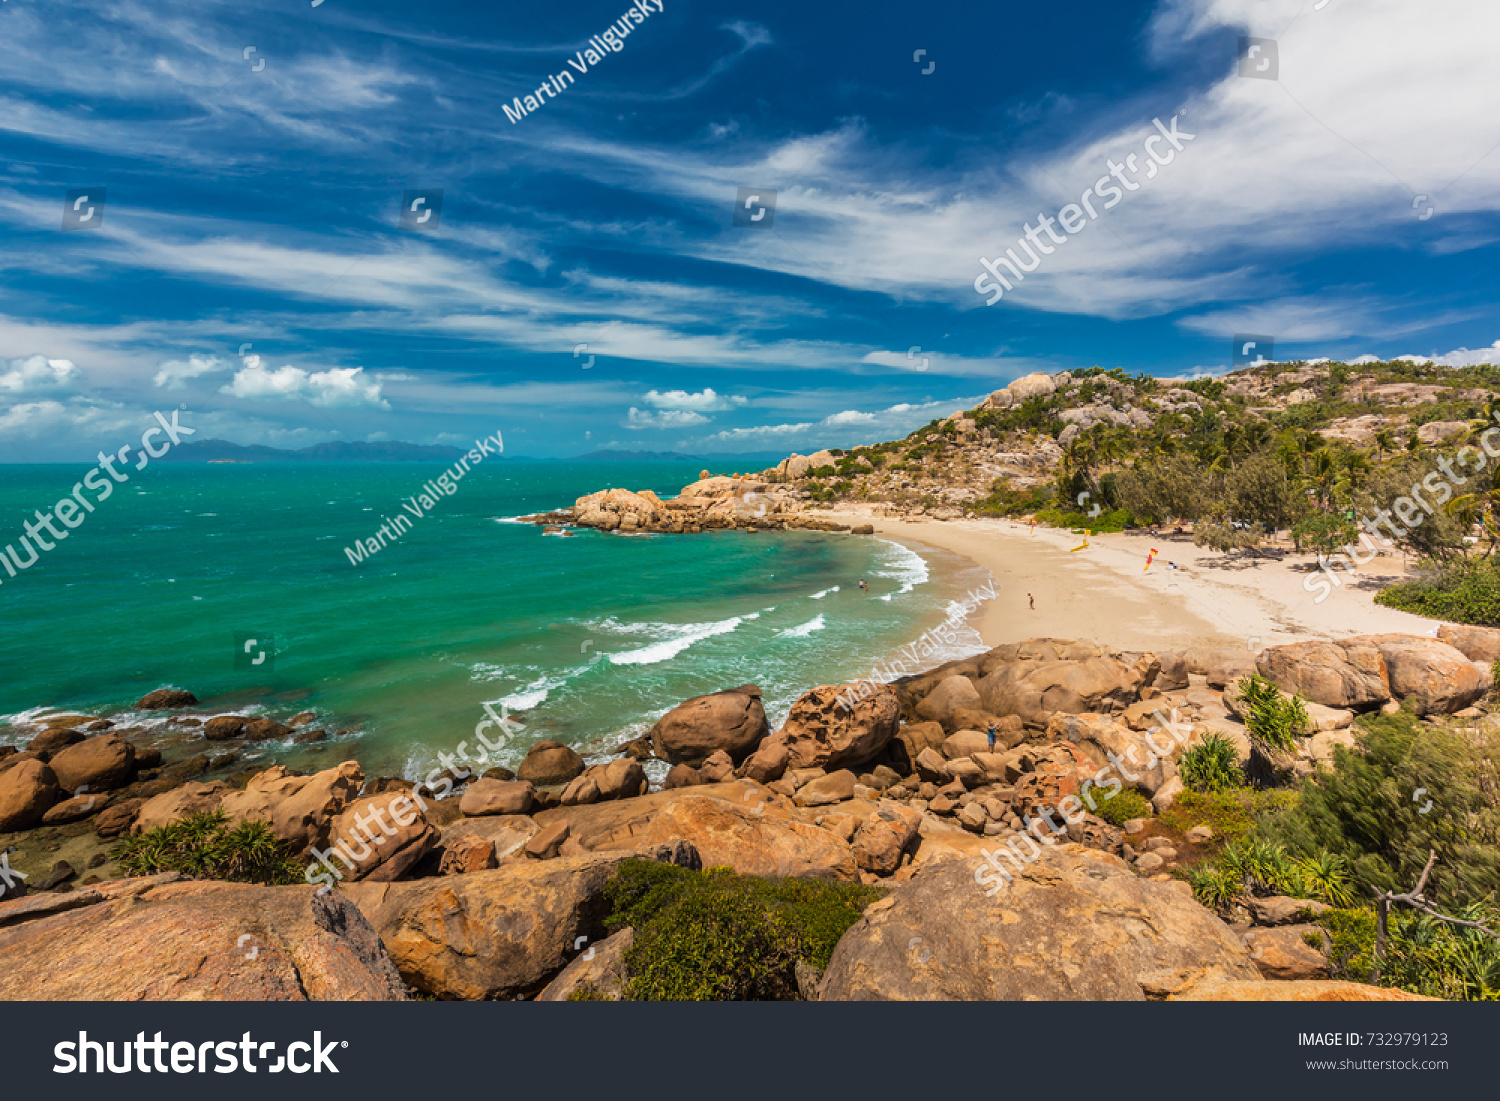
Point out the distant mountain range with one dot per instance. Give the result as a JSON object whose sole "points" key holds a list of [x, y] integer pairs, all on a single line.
{"points": [[218, 451]]}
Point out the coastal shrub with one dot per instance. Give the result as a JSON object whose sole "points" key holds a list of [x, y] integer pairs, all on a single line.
{"points": [[1258, 866], [1118, 520], [1122, 806], [1325, 532], [1271, 717], [1409, 788], [206, 846], [1231, 814], [1422, 956], [1460, 591], [1005, 501], [1212, 765], [716, 935]]}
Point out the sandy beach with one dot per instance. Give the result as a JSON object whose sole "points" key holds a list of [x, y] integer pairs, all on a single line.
{"points": [[1102, 592]]}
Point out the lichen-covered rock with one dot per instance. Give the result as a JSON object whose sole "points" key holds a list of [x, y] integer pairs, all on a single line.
{"points": [[1074, 925], [157, 939]]}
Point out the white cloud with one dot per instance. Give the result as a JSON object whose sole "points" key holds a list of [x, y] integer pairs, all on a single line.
{"points": [[847, 427], [666, 418], [704, 402], [34, 374], [175, 373], [338, 387]]}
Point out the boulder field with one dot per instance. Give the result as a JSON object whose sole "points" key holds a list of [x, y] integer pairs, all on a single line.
{"points": [[1000, 882]]}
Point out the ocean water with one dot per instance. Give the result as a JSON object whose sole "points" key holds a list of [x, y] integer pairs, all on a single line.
{"points": [[585, 640]]}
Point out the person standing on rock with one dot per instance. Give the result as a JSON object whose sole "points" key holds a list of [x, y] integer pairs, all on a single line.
{"points": [[990, 734]]}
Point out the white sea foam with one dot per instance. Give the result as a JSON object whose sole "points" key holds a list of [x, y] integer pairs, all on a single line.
{"points": [[669, 648], [904, 565], [825, 592], [815, 624]]}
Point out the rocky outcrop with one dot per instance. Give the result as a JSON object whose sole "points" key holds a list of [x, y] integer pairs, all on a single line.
{"points": [[1480, 644], [1435, 677], [953, 693], [548, 763], [192, 797], [27, 791], [598, 973], [1350, 673], [1239, 990], [300, 810], [485, 797], [1075, 925], [166, 699], [738, 825], [733, 720], [386, 834], [1099, 736], [102, 762], [1034, 689], [833, 727], [158, 939], [499, 934]]}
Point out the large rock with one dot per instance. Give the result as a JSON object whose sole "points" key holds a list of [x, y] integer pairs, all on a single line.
{"points": [[946, 698], [1218, 667], [1035, 385], [27, 792], [484, 797], [1074, 925], [548, 763], [102, 762], [822, 732], [1436, 677], [598, 972], [300, 810], [732, 720], [1350, 673], [884, 837], [765, 766], [165, 699], [1034, 690], [385, 834], [192, 797], [157, 939], [1475, 643], [739, 825], [499, 934], [503, 835], [1284, 954]]}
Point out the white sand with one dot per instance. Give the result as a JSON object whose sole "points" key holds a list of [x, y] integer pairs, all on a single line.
{"points": [[1102, 594]]}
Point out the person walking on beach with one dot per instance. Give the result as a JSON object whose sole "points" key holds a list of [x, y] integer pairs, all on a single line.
{"points": [[1033, 601]]}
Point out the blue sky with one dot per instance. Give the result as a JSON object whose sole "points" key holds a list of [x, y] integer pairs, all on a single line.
{"points": [[258, 205]]}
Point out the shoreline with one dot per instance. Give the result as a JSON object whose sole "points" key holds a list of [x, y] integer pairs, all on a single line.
{"points": [[1102, 594]]}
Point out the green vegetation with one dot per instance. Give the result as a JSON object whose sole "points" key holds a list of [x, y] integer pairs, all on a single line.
{"points": [[205, 846], [1364, 809], [1256, 866], [1461, 591], [719, 936], [1423, 955], [1232, 814], [1122, 806], [1211, 766], [1270, 717]]}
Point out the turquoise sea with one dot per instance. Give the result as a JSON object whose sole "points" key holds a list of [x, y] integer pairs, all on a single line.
{"points": [[586, 640]]}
